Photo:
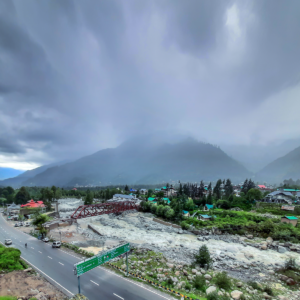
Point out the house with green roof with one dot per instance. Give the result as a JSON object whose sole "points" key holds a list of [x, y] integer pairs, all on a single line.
{"points": [[290, 220], [204, 217], [166, 200], [185, 213], [208, 207]]}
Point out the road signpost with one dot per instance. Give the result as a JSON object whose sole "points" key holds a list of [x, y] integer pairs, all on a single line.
{"points": [[97, 260]]}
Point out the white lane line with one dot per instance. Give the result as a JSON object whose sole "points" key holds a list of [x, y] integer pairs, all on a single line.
{"points": [[31, 247], [45, 274], [61, 263], [118, 296], [94, 282], [40, 251], [50, 257]]}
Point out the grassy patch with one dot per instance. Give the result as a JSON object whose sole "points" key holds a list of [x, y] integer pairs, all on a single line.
{"points": [[10, 259]]}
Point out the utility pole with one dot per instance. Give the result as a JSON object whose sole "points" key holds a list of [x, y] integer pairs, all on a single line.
{"points": [[78, 284], [126, 263]]}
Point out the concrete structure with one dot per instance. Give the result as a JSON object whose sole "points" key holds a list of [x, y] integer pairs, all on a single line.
{"points": [[290, 219]]}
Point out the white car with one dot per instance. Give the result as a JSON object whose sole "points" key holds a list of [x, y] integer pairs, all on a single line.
{"points": [[46, 240], [8, 242], [56, 245]]}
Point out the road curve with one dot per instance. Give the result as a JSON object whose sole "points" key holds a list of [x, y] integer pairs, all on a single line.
{"points": [[57, 266]]}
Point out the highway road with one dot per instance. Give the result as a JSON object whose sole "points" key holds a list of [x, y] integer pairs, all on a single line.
{"points": [[57, 266]]}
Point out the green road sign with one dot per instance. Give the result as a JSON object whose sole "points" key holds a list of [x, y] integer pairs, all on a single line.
{"points": [[95, 261]]}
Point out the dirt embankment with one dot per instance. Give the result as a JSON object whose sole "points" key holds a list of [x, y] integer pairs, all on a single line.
{"points": [[25, 285]]}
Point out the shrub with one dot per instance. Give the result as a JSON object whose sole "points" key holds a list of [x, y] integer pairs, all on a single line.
{"points": [[255, 285], [290, 264], [10, 259], [188, 287], [223, 281], [185, 225], [199, 283], [213, 296], [154, 276], [204, 257], [170, 282], [269, 291]]}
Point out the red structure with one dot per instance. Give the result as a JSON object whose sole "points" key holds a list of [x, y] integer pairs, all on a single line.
{"points": [[31, 203], [84, 211]]}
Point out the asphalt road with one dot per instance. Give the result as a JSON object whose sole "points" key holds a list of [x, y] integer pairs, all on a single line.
{"points": [[57, 266]]}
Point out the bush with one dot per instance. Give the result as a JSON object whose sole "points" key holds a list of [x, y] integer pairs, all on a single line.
{"points": [[199, 283], [204, 257], [213, 296], [170, 282], [269, 291], [290, 264], [254, 285], [185, 225], [223, 281], [188, 287], [10, 259]]}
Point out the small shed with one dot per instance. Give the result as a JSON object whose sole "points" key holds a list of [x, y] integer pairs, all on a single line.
{"points": [[290, 219], [185, 213], [208, 207], [204, 217]]}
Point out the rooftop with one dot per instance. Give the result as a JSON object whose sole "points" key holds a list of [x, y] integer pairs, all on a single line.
{"points": [[291, 217]]}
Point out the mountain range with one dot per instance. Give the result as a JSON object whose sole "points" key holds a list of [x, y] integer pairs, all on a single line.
{"points": [[139, 161], [148, 160]]}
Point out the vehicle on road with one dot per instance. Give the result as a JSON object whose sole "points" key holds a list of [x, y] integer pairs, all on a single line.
{"points": [[56, 244], [16, 225], [8, 242], [46, 240], [21, 224], [27, 224]]}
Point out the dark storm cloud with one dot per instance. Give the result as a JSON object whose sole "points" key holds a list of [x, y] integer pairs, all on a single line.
{"points": [[78, 76]]}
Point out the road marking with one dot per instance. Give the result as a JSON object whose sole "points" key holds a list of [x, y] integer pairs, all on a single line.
{"points": [[94, 282], [40, 251], [61, 263], [118, 296], [30, 247], [45, 274], [50, 257]]}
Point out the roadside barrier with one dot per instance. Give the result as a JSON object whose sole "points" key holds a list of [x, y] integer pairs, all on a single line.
{"points": [[152, 282]]}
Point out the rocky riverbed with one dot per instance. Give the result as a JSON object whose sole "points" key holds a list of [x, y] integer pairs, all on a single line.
{"points": [[242, 257]]}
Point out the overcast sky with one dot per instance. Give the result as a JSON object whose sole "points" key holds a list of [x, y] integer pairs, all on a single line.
{"points": [[80, 76]]}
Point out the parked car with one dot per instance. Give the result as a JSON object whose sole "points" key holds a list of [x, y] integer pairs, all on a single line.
{"points": [[56, 244], [27, 224], [46, 240], [20, 224], [8, 242], [16, 225]]}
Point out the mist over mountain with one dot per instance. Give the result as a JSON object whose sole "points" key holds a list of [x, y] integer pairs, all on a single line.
{"points": [[145, 160], [256, 157], [285, 167]]}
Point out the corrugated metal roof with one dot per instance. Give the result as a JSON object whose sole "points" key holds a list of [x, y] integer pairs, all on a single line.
{"points": [[151, 199], [291, 217], [209, 206], [185, 211], [205, 216]]}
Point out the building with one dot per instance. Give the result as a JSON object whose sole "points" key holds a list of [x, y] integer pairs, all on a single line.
{"points": [[288, 207], [279, 197], [167, 200], [143, 191], [32, 204], [290, 220], [204, 217], [152, 200], [132, 190], [207, 207], [185, 213], [121, 197]]}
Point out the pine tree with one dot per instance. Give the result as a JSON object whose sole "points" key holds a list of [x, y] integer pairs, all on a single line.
{"points": [[217, 189], [209, 198], [228, 188], [201, 189], [180, 192], [89, 198], [245, 187], [209, 187], [126, 188]]}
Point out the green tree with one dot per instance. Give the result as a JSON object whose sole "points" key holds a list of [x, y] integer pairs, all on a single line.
{"points": [[160, 210], [126, 188], [203, 258], [209, 198], [153, 208], [58, 194], [38, 221], [254, 194], [217, 189], [169, 214], [22, 196], [228, 188], [89, 198]]}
